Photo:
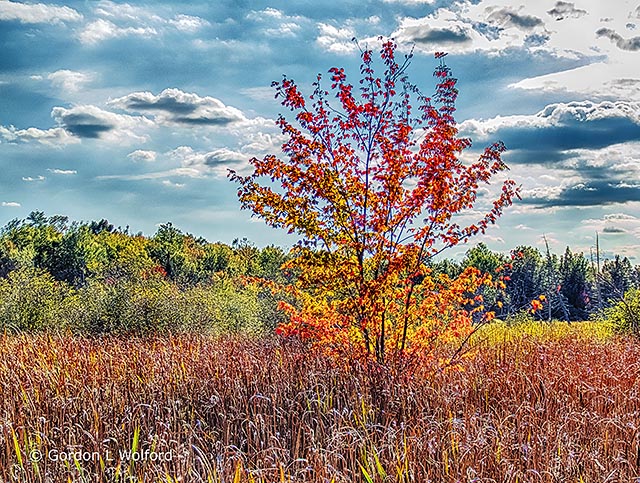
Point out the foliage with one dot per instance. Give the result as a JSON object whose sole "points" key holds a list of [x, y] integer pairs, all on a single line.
{"points": [[624, 315], [31, 299], [616, 278], [373, 187], [575, 284], [93, 278]]}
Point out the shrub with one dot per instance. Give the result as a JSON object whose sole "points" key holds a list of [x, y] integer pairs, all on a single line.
{"points": [[31, 299], [624, 316]]}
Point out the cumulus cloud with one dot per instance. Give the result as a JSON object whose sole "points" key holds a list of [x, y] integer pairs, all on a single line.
{"points": [[174, 106], [69, 80], [216, 162], [614, 224], [453, 34], [587, 152], [188, 23], [193, 163], [91, 122], [632, 44], [142, 156], [54, 137], [465, 27], [118, 20], [171, 184], [336, 39], [508, 17], [592, 193], [588, 178], [37, 13], [564, 10], [339, 38], [277, 24], [563, 126], [100, 30], [497, 26]]}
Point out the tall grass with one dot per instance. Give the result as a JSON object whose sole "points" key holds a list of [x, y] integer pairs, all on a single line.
{"points": [[525, 409]]}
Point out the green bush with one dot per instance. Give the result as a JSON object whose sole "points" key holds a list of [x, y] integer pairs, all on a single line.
{"points": [[31, 299], [624, 315], [157, 305]]}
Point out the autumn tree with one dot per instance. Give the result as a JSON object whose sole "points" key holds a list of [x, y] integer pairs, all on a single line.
{"points": [[372, 177]]}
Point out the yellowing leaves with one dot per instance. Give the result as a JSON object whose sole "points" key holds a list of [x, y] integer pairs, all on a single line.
{"points": [[372, 185]]}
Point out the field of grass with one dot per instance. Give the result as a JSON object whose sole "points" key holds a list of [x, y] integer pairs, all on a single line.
{"points": [[528, 403]]}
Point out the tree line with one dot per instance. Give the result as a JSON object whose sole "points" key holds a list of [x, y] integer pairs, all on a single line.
{"points": [[574, 286], [95, 277]]}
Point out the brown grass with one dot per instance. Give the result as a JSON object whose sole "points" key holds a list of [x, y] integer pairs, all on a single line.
{"points": [[561, 409]]}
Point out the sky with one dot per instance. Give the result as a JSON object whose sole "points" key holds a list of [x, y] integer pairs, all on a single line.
{"points": [[135, 111]]}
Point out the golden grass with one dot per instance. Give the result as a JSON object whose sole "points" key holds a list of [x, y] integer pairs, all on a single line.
{"points": [[532, 404]]}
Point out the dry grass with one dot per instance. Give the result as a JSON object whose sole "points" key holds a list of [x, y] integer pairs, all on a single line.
{"points": [[522, 408]]}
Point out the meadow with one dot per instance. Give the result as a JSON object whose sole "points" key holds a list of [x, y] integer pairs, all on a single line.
{"points": [[531, 402]]}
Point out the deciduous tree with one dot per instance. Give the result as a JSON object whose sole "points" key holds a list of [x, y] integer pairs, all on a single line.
{"points": [[373, 183]]}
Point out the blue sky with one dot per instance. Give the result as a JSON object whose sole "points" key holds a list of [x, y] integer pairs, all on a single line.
{"points": [[135, 111]]}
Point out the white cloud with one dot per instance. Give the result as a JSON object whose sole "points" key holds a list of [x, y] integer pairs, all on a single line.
{"points": [[339, 39], [31, 179], [555, 115], [194, 164], [215, 162], [277, 23], [411, 2], [174, 106], [613, 223], [37, 13], [118, 20], [171, 184], [610, 79], [582, 30], [494, 26], [125, 11], [100, 30], [62, 172], [56, 136], [69, 80], [142, 156], [11, 204], [188, 23], [91, 122]]}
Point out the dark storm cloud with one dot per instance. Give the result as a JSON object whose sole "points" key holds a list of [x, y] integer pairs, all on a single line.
{"points": [[564, 10], [632, 44], [546, 137], [592, 193], [178, 107], [598, 134]]}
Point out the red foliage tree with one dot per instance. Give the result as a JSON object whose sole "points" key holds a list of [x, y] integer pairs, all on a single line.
{"points": [[372, 184]]}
